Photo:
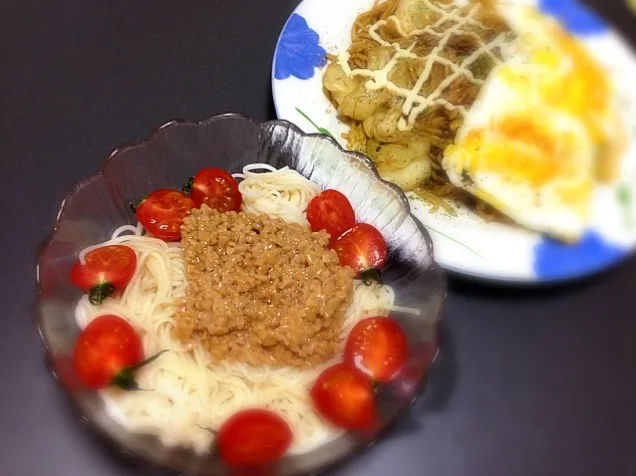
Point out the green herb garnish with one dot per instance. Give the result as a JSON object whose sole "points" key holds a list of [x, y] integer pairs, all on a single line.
{"points": [[625, 199], [322, 130], [125, 378], [187, 187]]}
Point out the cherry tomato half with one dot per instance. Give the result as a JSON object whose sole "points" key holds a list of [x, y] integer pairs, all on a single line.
{"points": [[330, 211], [162, 213], [106, 270], [362, 248], [377, 346], [345, 397], [252, 438], [106, 352], [217, 189]]}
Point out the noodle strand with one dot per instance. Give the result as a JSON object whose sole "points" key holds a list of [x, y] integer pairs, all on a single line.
{"points": [[189, 391]]}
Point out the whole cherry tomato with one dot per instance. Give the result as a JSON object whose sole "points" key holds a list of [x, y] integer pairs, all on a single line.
{"points": [[252, 438], [106, 270], [330, 211], [345, 397], [107, 352], [217, 189], [362, 248], [378, 347], [162, 213]]}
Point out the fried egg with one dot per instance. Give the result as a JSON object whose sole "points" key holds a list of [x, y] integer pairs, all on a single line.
{"points": [[541, 133]]}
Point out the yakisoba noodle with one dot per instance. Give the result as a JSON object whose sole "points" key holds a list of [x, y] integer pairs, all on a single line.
{"points": [[406, 82], [190, 393]]}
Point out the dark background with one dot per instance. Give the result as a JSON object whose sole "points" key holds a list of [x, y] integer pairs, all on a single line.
{"points": [[532, 382]]}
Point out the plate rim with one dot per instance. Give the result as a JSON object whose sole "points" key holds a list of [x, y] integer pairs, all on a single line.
{"points": [[485, 277]]}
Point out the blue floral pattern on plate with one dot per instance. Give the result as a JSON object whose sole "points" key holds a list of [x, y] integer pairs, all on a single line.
{"points": [[574, 16], [555, 260], [298, 51]]}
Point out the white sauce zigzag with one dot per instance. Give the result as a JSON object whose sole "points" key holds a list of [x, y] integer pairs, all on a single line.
{"points": [[415, 103]]}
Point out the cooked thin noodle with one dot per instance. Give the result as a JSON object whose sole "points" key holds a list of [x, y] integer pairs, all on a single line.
{"points": [[405, 117], [190, 393], [282, 193]]}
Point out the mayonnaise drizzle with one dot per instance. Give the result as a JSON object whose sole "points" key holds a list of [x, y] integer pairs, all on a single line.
{"points": [[414, 103]]}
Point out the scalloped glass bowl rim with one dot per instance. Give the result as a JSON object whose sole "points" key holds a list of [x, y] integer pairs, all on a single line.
{"points": [[104, 435]]}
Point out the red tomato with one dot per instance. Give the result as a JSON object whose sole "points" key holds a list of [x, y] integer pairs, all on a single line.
{"points": [[217, 189], [345, 397], [106, 270], [106, 353], [377, 346], [253, 438], [162, 213], [330, 211], [362, 248]]}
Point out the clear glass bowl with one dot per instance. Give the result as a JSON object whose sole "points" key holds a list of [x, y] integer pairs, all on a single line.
{"points": [[99, 204]]}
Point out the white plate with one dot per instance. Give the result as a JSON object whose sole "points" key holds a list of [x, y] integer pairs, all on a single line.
{"points": [[466, 243]]}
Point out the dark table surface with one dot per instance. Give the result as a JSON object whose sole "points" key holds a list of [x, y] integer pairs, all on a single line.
{"points": [[531, 383]]}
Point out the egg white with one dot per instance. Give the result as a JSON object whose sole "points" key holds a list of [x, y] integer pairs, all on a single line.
{"points": [[489, 167]]}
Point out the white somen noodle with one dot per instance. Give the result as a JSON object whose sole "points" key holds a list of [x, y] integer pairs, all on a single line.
{"points": [[190, 393], [282, 193]]}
